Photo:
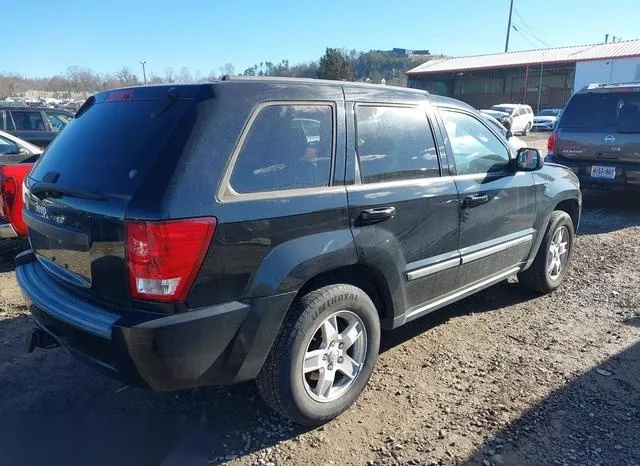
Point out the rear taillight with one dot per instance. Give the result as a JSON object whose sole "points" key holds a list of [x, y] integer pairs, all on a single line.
{"points": [[164, 257], [551, 143], [7, 195]]}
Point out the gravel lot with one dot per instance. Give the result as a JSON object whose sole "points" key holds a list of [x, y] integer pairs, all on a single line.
{"points": [[502, 378]]}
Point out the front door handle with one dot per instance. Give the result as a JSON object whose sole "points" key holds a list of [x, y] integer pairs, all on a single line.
{"points": [[375, 215], [474, 201]]}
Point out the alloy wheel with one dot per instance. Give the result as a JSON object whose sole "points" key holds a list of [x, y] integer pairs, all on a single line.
{"points": [[334, 356], [558, 253]]}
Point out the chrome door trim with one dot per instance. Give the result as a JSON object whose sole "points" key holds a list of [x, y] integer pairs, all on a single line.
{"points": [[461, 292], [466, 258], [431, 269]]}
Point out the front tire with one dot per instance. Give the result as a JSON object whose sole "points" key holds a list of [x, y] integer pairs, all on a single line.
{"points": [[323, 356], [552, 260]]}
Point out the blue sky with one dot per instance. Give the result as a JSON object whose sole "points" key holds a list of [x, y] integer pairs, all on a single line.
{"points": [[203, 35]]}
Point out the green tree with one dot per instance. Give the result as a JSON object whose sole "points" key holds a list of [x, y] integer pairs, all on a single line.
{"points": [[334, 65]]}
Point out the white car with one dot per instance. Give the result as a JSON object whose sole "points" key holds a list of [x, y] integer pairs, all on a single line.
{"points": [[14, 149], [514, 142], [521, 114], [546, 119]]}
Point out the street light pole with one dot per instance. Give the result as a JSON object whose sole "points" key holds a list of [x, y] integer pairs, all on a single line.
{"points": [[144, 73]]}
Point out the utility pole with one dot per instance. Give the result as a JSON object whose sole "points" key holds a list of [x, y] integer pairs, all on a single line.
{"points": [[506, 44], [144, 73]]}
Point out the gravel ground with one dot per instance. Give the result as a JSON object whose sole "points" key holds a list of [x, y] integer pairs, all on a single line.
{"points": [[502, 378]]}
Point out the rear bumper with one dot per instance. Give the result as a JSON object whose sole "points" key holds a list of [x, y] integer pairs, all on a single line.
{"points": [[221, 344], [627, 175], [6, 230]]}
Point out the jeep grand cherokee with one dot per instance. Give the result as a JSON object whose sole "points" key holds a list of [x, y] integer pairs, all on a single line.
{"points": [[213, 233]]}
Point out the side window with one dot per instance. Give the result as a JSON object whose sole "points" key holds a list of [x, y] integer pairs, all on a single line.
{"points": [[7, 146], [56, 122], [28, 121], [395, 143], [476, 150], [8, 122], [286, 147]]}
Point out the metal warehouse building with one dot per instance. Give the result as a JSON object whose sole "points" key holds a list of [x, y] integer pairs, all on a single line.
{"points": [[544, 78]]}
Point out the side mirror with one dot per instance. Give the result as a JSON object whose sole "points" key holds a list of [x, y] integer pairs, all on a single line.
{"points": [[22, 151], [509, 134], [528, 160]]}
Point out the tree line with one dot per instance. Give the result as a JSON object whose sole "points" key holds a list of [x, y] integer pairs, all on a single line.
{"points": [[338, 64], [346, 65]]}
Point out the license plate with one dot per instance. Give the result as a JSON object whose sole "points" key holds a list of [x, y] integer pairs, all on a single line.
{"points": [[603, 172]]}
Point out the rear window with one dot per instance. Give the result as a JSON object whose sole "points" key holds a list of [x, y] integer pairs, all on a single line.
{"points": [[110, 147], [607, 111]]}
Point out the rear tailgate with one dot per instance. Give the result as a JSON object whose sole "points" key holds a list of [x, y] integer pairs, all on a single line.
{"points": [[78, 193]]}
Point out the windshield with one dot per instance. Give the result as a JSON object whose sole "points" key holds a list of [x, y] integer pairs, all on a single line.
{"points": [[608, 111], [498, 108], [549, 112]]}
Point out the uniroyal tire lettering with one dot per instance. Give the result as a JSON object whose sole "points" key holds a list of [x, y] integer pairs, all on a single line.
{"points": [[336, 299]]}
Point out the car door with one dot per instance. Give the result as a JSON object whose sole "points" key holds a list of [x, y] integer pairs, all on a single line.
{"points": [[31, 126], [497, 204], [402, 207], [518, 120]]}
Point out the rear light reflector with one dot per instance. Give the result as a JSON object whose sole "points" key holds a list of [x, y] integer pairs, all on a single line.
{"points": [[7, 195], [163, 258], [117, 96], [551, 143]]}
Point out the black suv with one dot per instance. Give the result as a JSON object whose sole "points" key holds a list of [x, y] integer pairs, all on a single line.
{"points": [[262, 228], [598, 135], [38, 126]]}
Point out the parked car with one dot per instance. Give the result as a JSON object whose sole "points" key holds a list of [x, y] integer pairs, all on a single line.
{"points": [[208, 240], [14, 149], [598, 135], [506, 133], [521, 114], [503, 118], [16, 159], [35, 125], [546, 119]]}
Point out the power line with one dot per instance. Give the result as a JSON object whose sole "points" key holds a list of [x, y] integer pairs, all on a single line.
{"points": [[530, 30], [523, 36]]}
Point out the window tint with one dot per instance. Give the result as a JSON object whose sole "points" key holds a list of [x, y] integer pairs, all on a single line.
{"points": [[28, 121], [7, 146], [56, 121], [395, 144], [606, 111], [476, 150], [287, 147], [8, 122]]}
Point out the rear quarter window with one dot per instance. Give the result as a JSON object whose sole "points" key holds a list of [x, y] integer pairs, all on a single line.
{"points": [[286, 147]]}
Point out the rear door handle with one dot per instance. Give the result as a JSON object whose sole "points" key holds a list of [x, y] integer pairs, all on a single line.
{"points": [[375, 215], [474, 201]]}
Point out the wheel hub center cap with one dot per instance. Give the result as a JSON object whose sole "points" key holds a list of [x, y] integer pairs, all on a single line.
{"points": [[333, 356]]}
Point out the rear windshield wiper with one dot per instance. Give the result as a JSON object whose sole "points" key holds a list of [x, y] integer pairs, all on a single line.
{"points": [[50, 190]]}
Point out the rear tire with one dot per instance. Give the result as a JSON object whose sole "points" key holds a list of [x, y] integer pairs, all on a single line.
{"points": [[327, 333], [527, 129], [553, 258]]}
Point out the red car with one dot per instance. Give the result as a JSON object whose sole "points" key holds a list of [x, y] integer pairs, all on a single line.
{"points": [[16, 160]]}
